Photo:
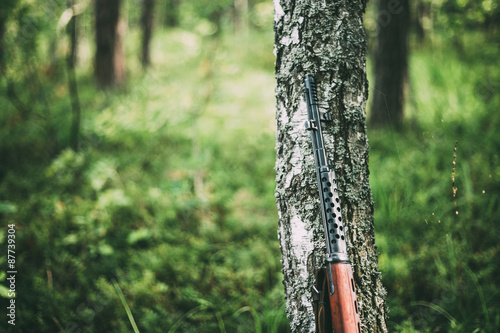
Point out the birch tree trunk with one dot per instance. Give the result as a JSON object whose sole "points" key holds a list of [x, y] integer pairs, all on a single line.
{"points": [[325, 38]]}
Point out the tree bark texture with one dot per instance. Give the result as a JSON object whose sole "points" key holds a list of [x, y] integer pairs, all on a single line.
{"points": [[391, 63], [147, 30], [109, 65], [325, 38]]}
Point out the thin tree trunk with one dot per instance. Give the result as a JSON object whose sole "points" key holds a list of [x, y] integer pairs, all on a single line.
{"points": [[72, 85], [147, 28], [72, 31], [109, 66], [172, 13], [3, 23], [240, 16], [419, 18], [328, 40], [391, 64], [5, 13]]}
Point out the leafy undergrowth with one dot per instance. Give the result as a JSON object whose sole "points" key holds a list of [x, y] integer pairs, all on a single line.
{"points": [[438, 250], [169, 202], [169, 199]]}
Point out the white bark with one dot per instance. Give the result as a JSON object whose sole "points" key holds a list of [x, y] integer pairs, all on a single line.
{"points": [[325, 38]]}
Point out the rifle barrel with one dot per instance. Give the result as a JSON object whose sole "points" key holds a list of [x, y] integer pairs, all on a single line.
{"points": [[342, 295]]}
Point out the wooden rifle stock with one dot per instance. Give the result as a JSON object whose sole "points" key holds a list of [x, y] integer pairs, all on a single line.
{"points": [[343, 302], [335, 294]]}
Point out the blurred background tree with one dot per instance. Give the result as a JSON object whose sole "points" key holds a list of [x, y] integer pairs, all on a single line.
{"points": [[171, 14], [72, 85], [109, 65], [391, 63], [148, 7], [6, 9], [165, 191]]}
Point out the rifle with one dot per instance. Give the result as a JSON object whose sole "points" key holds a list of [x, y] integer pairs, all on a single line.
{"points": [[334, 280]]}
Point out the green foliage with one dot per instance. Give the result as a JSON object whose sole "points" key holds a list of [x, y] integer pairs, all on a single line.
{"points": [[161, 219], [437, 250], [461, 15]]}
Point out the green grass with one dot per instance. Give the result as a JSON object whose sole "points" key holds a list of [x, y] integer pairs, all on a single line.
{"points": [[171, 197], [437, 251]]}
